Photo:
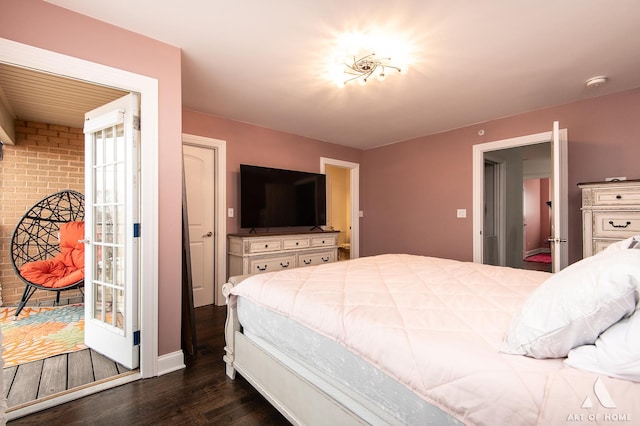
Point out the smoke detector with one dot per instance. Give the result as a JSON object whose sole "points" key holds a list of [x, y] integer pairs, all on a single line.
{"points": [[596, 81]]}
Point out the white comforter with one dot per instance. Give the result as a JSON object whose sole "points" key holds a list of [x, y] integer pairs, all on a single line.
{"points": [[433, 324]]}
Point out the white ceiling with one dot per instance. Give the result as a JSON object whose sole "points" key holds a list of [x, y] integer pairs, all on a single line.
{"points": [[262, 62]]}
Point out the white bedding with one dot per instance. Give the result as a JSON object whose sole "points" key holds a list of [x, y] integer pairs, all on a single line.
{"points": [[435, 325]]}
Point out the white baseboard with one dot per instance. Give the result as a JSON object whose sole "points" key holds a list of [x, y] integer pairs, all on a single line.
{"points": [[170, 362], [536, 251]]}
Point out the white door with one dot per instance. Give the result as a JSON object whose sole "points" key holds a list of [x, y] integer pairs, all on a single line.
{"points": [[112, 230], [199, 173], [559, 200]]}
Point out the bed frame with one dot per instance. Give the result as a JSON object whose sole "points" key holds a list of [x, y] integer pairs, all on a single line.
{"points": [[302, 394]]}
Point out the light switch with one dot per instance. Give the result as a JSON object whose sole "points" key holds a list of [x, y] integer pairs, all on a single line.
{"points": [[230, 212], [461, 213]]}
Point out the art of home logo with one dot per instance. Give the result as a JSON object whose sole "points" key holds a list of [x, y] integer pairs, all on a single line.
{"points": [[602, 400]]}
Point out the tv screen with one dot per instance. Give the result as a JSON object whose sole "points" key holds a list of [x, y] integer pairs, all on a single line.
{"points": [[281, 198]]}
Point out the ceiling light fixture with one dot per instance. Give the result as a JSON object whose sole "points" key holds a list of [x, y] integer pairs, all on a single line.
{"points": [[367, 67]]}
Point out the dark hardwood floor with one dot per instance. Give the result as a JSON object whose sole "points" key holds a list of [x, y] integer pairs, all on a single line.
{"points": [[200, 394]]}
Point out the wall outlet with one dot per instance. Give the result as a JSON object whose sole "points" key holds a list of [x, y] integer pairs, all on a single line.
{"points": [[230, 212], [461, 213]]}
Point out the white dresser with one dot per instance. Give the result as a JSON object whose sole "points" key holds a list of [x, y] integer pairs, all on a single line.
{"points": [[610, 213], [257, 253]]}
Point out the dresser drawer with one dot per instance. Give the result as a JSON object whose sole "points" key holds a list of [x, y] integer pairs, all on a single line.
{"points": [[264, 246], [295, 243], [599, 245], [270, 264], [616, 224], [615, 196], [317, 258], [324, 241]]}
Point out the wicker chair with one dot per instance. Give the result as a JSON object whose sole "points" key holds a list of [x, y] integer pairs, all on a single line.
{"points": [[36, 238]]}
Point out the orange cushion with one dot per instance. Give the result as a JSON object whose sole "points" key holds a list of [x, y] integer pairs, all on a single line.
{"points": [[67, 267]]}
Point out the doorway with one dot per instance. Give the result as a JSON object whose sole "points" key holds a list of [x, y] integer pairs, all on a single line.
{"points": [[349, 174], [30, 57], [509, 213], [205, 182]]}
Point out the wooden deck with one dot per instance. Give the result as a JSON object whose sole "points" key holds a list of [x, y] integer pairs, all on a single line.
{"points": [[201, 394], [26, 383]]}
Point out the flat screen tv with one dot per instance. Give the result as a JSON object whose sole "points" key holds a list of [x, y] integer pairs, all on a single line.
{"points": [[271, 198]]}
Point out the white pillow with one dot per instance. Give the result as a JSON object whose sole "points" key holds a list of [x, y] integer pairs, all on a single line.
{"points": [[616, 352], [630, 242], [572, 307]]}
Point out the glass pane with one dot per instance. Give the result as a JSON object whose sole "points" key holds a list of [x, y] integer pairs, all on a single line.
{"points": [[99, 264], [109, 186], [119, 267], [98, 149], [118, 310], [119, 229], [120, 181], [98, 302], [108, 265], [109, 145]]}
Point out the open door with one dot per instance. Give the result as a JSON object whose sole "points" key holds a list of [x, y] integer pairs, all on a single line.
{"points": [[559, 202], [112, 230]]}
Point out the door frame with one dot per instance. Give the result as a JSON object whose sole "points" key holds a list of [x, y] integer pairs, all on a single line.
{"points": [[220, 203], [24, 55], [354, 199], [478, 178]]}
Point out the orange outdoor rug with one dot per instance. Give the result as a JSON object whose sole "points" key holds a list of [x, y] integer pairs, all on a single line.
{"points": [[41, 332]]}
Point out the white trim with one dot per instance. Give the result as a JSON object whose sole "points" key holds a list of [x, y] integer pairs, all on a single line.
{"points": [[355, 199], [170, 362], [478, 179], [39, 59], [71, 396], [220, 231]]}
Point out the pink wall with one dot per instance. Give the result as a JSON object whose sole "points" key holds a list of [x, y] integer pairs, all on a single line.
{"points": [[248, 144], [532, 214], [411, 190], [43, 25]]}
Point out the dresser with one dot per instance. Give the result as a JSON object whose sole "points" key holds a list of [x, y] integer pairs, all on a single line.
{"points": [[610, 213], [258, 253]]}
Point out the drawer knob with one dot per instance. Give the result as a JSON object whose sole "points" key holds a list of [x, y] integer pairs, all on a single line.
{"points": [[266, 246], [618, 197], [284, 265], [619, 226], [325, 259], [307, 261]]}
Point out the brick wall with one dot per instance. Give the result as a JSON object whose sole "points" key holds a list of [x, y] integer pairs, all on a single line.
{"points": [[45, 159]]}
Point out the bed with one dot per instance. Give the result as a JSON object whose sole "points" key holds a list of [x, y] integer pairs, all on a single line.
{"points": [[405, 339]]}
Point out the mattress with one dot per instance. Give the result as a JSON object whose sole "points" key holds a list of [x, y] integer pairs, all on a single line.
{"points": [[412, 333], [269, 329]]}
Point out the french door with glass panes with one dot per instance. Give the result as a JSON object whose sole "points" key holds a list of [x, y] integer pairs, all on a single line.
{"points": [[112, 230]]}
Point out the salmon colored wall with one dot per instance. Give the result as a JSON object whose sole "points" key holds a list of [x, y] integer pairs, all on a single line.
{"points": [[411, 190], [248, 144], [49, 27]]}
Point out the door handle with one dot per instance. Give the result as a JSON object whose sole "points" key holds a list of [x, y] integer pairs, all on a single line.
{"points": [[207, 235]]}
